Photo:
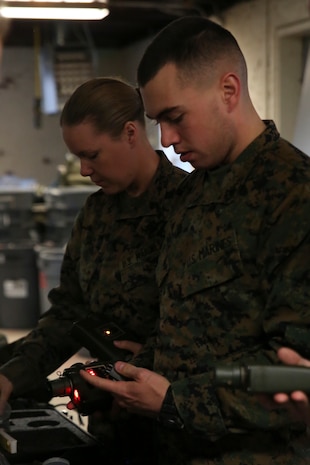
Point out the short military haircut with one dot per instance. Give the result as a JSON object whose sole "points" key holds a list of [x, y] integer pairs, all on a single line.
{"points": [[195, 45]]}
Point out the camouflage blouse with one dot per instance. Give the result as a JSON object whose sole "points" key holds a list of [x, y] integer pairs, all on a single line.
{"points": [[108, 269], [234, 282]]}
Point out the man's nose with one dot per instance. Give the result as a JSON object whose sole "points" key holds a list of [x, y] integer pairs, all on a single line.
{"points": [[169, 135]]}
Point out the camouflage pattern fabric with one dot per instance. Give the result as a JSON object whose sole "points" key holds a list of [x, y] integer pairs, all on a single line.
{"points": [[108, 269], [234, 280]]}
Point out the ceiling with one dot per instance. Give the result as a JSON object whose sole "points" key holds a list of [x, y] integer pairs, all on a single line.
{"points": [[128, 21]]}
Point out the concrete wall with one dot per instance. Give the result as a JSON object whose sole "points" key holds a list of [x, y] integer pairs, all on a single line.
{"points": [[270, 33]]}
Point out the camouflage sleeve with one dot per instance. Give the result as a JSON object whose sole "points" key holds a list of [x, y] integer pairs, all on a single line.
{"points": [[284, 287], [49, 345]]}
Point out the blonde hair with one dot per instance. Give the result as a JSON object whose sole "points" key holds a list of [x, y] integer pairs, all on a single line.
{"points": [[107, 102]]}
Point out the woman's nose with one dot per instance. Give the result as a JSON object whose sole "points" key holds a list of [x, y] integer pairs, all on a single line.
{"points": [[85, 168]]}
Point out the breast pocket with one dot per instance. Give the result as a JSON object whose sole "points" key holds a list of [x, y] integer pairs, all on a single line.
{"points": [[216, 264]]}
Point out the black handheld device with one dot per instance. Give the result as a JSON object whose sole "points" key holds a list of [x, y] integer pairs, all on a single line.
{"points": [[98, 338], [263, 378], [85, 397]]}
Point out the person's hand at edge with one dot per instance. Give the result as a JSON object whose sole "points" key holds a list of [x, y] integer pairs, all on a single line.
{"points": [[296, 403], [291, 357]]}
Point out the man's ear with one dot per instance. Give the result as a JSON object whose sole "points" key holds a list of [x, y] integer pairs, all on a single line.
{"points": [[230, 85]]}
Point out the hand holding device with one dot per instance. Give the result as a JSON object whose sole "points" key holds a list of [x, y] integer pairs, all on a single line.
{"points": [[85, 398], [99, 339]]}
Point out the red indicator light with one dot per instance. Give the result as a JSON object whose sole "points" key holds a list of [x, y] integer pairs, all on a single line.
{"points": [[76, 395], [68, 391], [91, 372]]}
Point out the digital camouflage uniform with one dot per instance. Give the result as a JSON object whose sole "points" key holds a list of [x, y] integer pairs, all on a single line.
{"points": [[234, 280], [108, 269]]}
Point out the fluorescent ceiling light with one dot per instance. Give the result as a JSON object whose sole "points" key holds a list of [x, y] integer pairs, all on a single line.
{"points": [[87, 10]]}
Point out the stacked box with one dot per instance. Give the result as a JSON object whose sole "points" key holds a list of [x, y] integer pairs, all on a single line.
{"points": [[62, 207], [16, 216]]}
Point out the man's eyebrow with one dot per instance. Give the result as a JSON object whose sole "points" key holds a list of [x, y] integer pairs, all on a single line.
{"points": [[162, 114]]}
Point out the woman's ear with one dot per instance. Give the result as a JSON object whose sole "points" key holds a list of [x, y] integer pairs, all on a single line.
{"points": [[130, 131]]}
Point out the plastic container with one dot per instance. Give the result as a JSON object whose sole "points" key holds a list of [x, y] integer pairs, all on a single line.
{"points": [[49, 260], [16, 216], [48, 436], [19, 289]]}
